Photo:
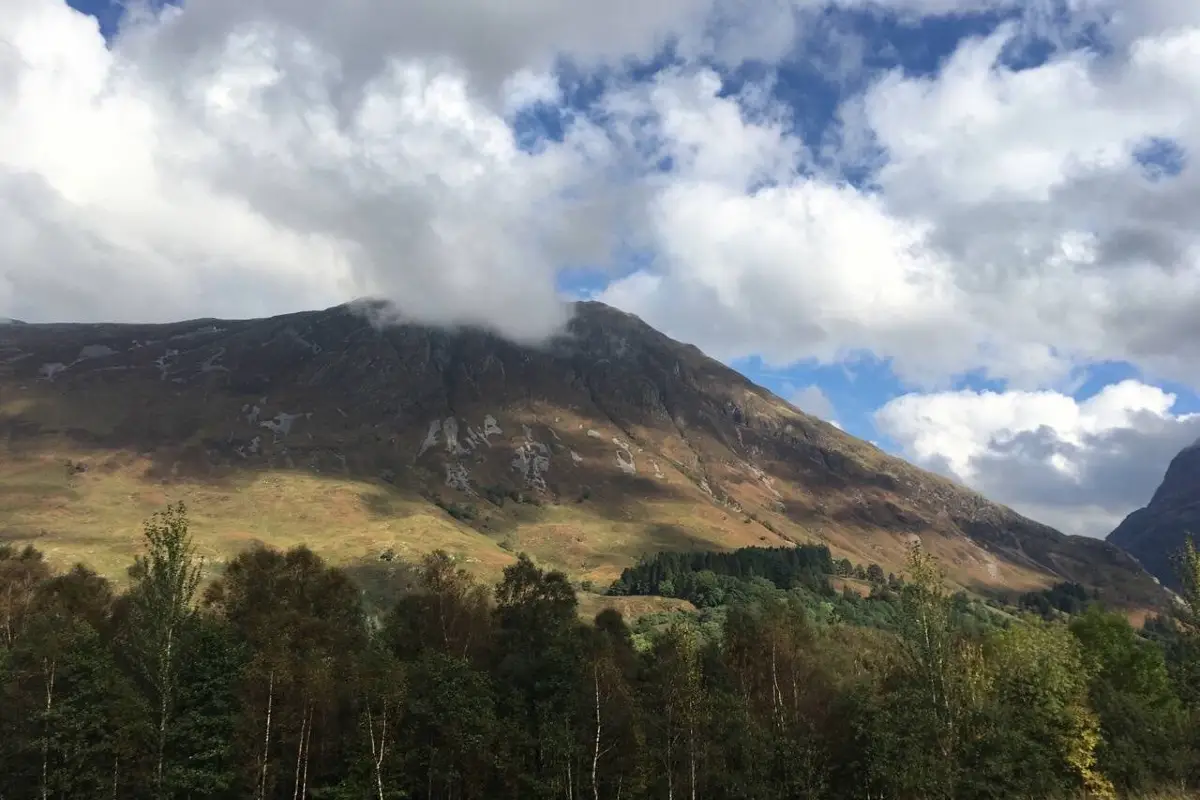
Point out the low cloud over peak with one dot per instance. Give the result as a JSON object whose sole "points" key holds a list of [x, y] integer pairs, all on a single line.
{"points": [[963, 191]]}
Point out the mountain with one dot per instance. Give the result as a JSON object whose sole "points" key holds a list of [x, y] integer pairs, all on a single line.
{"points": [[368, 441], [1155, 533]]}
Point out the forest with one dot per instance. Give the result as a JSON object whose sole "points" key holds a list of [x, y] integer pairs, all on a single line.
{"points": [[280, 678]]}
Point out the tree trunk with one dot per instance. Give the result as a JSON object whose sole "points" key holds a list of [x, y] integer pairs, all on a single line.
{"points": [[596, 744], [692, 756], [377, 753], [49, 667], [300, 751], [776, 695], [429, 776], [262, 781], [307, 749], [164, 698], [670, 761]]}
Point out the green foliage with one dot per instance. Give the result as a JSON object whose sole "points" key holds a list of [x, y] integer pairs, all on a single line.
{"points": [[1187, 567], [164, 583], [755, 575], [704, 577], [919, 729], [1130, 689], [282, 685], [201, 757], [1064, 598], [1038, 716], [464, 512]]}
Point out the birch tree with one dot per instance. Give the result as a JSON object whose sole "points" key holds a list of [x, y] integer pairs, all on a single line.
{"points": [[164, 582], [1187, 567]]}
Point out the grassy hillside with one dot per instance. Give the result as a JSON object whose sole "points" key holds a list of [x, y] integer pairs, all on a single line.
{"points": [[609, 443]]}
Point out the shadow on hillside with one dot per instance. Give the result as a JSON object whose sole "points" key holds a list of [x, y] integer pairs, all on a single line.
{"points": [[666, 536], [388, 480], [383, 583]]}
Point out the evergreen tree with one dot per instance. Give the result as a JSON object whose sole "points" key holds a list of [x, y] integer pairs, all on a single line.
{"points": [[201, 757], [538, 656]]}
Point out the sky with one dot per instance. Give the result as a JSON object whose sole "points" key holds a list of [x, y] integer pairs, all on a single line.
{"points": [[962, 229]]}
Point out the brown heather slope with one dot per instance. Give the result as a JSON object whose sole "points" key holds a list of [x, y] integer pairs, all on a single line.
{"points": [[614, 439]]}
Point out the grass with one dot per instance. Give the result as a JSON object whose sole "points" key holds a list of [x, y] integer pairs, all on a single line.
{"points": [[96, 516], [591, 604]]}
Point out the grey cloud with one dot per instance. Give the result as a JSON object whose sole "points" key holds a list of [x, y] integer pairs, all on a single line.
{"points": [[1163, 248], [490, 40], [1118, 471]]}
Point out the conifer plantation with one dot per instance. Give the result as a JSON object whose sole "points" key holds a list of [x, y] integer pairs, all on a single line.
{"points": [[281, 678]]}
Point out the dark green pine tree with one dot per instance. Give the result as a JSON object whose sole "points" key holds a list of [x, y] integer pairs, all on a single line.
{"points": [[200, 757], [538, 656]]}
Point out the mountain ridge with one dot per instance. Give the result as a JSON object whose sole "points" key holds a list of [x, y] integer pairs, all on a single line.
{"points": [[1154, 533], [607, 442]]}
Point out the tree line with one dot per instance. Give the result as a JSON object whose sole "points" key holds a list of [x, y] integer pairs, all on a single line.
{"points": [[803, 577], [277, 680]]}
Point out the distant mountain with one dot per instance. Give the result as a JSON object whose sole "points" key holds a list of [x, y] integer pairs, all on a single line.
{"points": [[610, 442], [1155, 533]]}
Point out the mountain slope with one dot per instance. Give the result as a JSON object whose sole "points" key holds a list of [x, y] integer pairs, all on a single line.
{"points": [[1155, 533], [609, 442]]}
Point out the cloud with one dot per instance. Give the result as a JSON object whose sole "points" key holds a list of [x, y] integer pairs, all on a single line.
{"points": [[1080, 466], [485, 40], [1008, 224], [811, 400], [754, 256], [239, 186], [253, 157], [1031, 186]]}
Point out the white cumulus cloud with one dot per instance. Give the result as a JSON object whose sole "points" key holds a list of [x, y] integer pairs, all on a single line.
{"points": [[1008, 224], [246, 157], [240, 181], [1080, 466]]}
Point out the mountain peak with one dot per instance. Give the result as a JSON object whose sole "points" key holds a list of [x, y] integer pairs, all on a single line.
{"points": [[614, 439], [1154, 533]]}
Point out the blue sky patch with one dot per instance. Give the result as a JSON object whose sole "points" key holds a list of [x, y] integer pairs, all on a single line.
{"points": [[1160, 158], [107, 12]]}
